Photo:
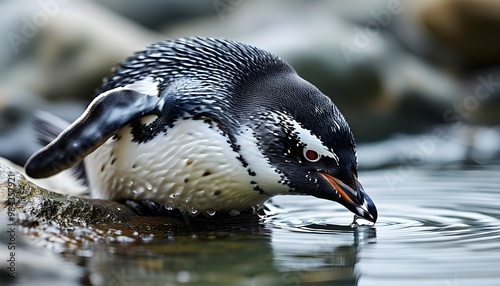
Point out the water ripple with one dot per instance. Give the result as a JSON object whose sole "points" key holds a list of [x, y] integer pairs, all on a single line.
{"points": [[438, 225]]}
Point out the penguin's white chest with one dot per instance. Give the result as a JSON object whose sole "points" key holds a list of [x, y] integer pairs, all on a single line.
{"points": [[191, 167]]}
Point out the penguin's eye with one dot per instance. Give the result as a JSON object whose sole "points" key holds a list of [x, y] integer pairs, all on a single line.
{"points": [[311, 155]]}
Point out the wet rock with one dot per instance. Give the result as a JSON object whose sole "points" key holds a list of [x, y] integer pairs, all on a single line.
{"points": [[65, 221], [34, 205], [22, 262]]}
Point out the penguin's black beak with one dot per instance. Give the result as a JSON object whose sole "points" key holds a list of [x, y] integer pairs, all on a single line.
{"points": [[357, 201]]}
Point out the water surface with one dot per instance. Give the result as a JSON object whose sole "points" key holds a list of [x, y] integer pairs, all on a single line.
{"points": [[437, 226]]}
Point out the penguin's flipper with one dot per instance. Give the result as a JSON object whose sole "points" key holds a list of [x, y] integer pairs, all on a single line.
{"points": [[47, 127], [106, 114]]}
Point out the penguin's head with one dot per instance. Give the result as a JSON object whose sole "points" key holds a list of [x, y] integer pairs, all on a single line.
{"points": [[308, 142]]}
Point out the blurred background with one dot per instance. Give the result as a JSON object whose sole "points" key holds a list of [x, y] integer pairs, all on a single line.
{"points": [[418, 81]]}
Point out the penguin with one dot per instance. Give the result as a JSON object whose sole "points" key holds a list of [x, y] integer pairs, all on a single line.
{"points": [[207, 125]]}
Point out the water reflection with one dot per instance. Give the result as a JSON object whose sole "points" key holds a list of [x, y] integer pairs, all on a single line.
{"points": [[251, 254], [320, 253]]}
